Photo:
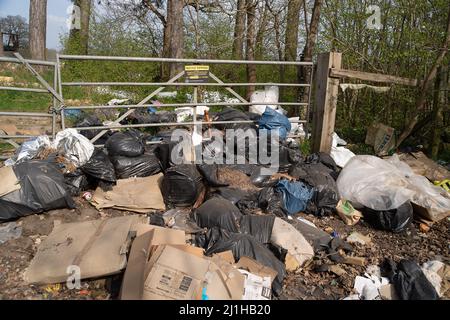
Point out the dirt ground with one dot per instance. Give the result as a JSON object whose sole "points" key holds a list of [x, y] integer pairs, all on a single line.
{"points": [[304, 284]]}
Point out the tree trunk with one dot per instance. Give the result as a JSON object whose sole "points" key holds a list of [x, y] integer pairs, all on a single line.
{"points": [[239, 31], [173, 37], [420, 102], [38, 27], [79, 38], [437, 122], [291, 36], [1, 44], [251, 38], [259, 51], [292, 23], [304, 73]]}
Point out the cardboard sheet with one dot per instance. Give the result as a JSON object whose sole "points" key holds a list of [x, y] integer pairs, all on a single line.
{"points": [[97, 247], [9, 181], [134, 194]]}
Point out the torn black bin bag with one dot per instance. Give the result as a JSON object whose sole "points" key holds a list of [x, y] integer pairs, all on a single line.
{"points": [[42, 188], [219, 240], [326, 194], [230, 114], [395, 220], [332, 247], [163, 152], [210, 174], [231, 194], [249, 203], [218, 212], [181, 185], [76, 182], [322, 157], [141, 166], [271, 201], [409, 281], [99, 167], [258, 226], [129, 144], [91, 121]]}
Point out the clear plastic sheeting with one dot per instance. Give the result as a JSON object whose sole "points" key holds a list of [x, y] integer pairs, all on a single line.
{"points": [[368, 181], [386, 184]]}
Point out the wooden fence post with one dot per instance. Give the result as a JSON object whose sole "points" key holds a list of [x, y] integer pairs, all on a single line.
{"points": [[326, 94]]}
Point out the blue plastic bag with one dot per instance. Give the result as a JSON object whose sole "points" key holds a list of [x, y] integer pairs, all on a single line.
{"points": [[272, 120], [296, 195]]}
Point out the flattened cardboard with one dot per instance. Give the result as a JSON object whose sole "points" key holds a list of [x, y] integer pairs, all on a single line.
{"points": [[140, 195], [97, 247], [256, 268], [9, 181]]}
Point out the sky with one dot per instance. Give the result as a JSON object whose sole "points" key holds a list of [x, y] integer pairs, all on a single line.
{"points": [[56, 17]]}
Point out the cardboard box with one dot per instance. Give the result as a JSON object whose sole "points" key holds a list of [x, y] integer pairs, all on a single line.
{"points": [[141, 251], [177, 272], [256, 268], [256, 287]]}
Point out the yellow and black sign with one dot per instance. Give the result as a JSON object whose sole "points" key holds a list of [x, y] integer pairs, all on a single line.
{"points": [[197, 73]]}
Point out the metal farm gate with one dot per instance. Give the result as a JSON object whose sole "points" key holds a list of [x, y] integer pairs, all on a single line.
{"points": [[209, 79]]}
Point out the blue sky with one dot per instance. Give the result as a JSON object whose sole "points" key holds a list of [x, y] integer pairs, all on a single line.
{"points": [[56, 16]]}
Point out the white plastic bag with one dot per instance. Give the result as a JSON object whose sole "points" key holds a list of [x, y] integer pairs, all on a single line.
{"points": [[269, 95], [374, 183], [340, 155], [74, 146]]}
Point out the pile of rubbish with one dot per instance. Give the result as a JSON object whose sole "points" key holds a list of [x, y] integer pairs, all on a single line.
{"points": [[193, 235]]}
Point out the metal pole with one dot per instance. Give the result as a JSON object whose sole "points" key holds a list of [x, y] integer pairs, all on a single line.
{"points": [[58, 65], [25, 114], [234, 93], [180, 84], [176, 60], [24, 89], [38, 76], [35, 62], [169, 124], [55, 102], [308, 108], [144, 101], [206, 104]]}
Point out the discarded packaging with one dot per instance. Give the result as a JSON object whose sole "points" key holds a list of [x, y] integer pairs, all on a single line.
{"points": [[348, 214], [93, 249], [141, 195]]}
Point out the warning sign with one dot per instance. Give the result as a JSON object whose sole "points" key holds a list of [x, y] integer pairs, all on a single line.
{"points": [[197, 73]]}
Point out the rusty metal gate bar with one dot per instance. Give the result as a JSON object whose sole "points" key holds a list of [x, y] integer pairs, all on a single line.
{"points": [[172, 82], [48, 89]]}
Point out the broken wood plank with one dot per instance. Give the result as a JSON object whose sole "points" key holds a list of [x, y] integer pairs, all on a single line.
{"points": [[373, 77], [359, 261]]}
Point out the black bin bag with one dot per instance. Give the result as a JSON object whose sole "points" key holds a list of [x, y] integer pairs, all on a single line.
{"points": [[181, 185], [140, 166], [99, 167], [218, 240], [258, 226], [128, 144], [218, 212], [395, 220], [76, 182], [42, 188], [409, 281]]}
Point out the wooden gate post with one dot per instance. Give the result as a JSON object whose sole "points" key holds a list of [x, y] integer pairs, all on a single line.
{"points": [[326, 94]]}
